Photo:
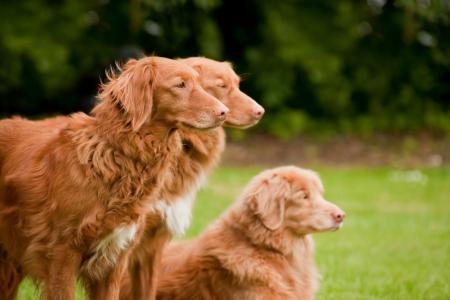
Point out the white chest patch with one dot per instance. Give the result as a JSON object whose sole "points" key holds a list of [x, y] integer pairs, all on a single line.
{"points": [[178, 215], [119, 238], [107, 250]]}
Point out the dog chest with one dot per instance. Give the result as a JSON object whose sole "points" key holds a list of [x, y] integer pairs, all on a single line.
{"points": [[107, 251], [178, 214], [119, 239]]}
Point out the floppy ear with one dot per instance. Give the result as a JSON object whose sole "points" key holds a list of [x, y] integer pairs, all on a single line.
{"points": [[269, 200], [133, 89]]}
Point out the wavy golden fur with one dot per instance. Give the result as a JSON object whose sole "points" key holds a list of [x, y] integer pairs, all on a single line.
{"points": [[260, 249], [73, 198], [201, 152]]}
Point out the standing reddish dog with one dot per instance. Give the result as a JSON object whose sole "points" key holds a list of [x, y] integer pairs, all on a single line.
{"points": [[73, 200], [201, 152]]}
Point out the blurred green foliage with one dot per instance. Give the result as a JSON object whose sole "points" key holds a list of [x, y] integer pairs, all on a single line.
{"points": [[314, 64]]}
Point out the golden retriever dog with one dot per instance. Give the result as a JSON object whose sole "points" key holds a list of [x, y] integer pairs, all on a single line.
{"points": [[261, 248], [201, 152], [73, 199]]}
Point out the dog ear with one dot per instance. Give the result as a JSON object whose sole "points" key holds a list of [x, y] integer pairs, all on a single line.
{"points": [[197, 67], [269, 202], [133, 89]]}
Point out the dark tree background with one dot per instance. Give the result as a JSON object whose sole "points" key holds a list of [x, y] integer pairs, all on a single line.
{"points": [[314, 64]]}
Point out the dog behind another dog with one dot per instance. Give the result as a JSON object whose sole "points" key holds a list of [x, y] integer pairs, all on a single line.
{"points": [[201, 152], [260, 249]]}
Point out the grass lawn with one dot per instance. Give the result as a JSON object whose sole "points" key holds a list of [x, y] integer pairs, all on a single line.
{"points": [[395, 243]]}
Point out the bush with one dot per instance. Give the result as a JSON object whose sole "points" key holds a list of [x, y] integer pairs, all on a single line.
{"points": [[341, 65]]}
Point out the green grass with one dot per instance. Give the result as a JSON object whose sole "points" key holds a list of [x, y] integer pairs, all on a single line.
{"points": [[395, 243]]}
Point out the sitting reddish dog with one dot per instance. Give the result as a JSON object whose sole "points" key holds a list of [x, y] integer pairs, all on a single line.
{"points": [[260, 249]]}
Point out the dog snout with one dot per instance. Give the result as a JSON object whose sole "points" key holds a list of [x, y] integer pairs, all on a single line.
{"points": [[258, 112], [338, 216], [221, 112]]}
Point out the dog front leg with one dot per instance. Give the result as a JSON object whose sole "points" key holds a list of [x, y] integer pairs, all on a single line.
{"points": [[145, 271], [108, 288], [63, 271], [143, 279]]}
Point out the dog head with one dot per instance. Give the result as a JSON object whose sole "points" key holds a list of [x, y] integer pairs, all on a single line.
{"points": [[219, 79], [291, 198], [163, 89]]}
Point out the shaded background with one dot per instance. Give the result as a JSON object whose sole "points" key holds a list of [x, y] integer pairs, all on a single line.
{"points": [[341, 66]]}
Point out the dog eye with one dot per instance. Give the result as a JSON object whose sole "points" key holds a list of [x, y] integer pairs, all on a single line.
{"points": [[181, 85], [223, 86]]}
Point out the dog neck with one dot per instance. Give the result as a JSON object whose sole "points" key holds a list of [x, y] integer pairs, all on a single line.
{"points": [[204, 147], [113, 125], [110, 151], [201, 152]]}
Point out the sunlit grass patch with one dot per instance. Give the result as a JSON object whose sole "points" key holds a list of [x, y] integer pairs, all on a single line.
{"points": [[395, 243]]}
